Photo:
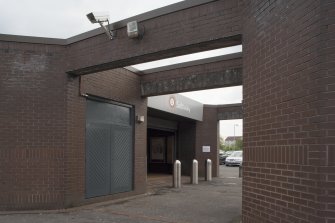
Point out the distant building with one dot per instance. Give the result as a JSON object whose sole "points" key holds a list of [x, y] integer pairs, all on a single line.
{"points": [[231, 140]]}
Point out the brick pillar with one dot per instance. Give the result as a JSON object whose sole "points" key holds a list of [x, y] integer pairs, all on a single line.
{"points": [[288, 89], [207, 134]]}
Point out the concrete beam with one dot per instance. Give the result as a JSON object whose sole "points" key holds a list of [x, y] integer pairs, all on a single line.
{"points": [[172, 52], [198, 77], [154, 71], [211, 25], [232, 111]]}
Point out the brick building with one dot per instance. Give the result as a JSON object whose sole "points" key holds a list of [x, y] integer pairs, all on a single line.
{"points": [[231, 140], [50, 90]]}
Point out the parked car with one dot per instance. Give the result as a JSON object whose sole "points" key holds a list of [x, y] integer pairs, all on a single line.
{"points": [[223, 156], [235, 159]]}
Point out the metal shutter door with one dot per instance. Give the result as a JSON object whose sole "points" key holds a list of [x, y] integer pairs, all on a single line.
{"points": [[121, 159], [97, 160], [109, 149]]}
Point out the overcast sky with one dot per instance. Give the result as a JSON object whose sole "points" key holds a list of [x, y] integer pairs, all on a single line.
{"points": [[66, 18]]}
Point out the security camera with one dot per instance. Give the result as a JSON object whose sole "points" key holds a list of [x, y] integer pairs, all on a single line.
{"points": [[101, 17], [97, 17]]}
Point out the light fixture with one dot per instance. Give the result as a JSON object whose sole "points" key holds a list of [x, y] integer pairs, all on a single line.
{"points": [[134, 31], [234, 130], [101, 18], [140, 118]]}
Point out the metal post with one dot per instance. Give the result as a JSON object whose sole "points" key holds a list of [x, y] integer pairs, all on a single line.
{"points": [[194, 177], [177, 174], [240, 171], [208, 170], [234, 132]]}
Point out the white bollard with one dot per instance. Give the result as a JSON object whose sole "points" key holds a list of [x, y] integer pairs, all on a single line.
{"points": [[208, 170], [194, 177], [177, 174]]}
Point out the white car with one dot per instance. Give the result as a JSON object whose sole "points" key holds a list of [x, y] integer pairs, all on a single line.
{"points": [[236, 158]]}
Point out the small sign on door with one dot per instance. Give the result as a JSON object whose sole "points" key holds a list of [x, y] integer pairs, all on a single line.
{"points": [[206, 149]]}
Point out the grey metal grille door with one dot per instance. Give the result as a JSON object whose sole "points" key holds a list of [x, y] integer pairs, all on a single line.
{"points": [[122, 162], [97, 160], [109, 149]]}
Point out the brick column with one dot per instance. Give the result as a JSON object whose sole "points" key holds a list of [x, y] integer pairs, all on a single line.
{"points": [[207, 134], [288, 89]]}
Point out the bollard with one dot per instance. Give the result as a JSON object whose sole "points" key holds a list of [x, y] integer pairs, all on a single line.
{"points": [[194, 177], [208, 170], [240, 171], [177, 174]]}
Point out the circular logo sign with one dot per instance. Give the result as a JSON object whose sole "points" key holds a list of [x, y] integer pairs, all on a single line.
{"points": [[172, 101]]}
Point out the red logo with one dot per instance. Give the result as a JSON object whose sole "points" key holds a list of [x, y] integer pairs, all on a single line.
{"points": [[172, 101]]}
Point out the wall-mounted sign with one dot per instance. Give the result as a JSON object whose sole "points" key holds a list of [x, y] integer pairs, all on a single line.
{"points": [[206, 149], [177, 104]]}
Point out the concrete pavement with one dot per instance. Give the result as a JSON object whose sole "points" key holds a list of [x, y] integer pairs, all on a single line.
{"points": [[218, 201]]}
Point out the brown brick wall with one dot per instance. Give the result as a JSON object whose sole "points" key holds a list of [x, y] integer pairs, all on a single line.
{"points": [[118, 85], [32, 126], [207, 134], [288, 112], [42, 134], [186, 144], [326, 109], [75, 160]]}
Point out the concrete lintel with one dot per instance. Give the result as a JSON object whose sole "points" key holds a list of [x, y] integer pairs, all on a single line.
{"points": [[32, 39], [188, 64], [191, 82], [161, 54], [231, 111]]}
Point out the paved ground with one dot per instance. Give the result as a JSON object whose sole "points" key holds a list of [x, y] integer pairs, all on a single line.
{"points": [[218, 201]]}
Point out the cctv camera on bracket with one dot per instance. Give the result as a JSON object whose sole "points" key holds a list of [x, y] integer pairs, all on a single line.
{"points": [[101, 17]]}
